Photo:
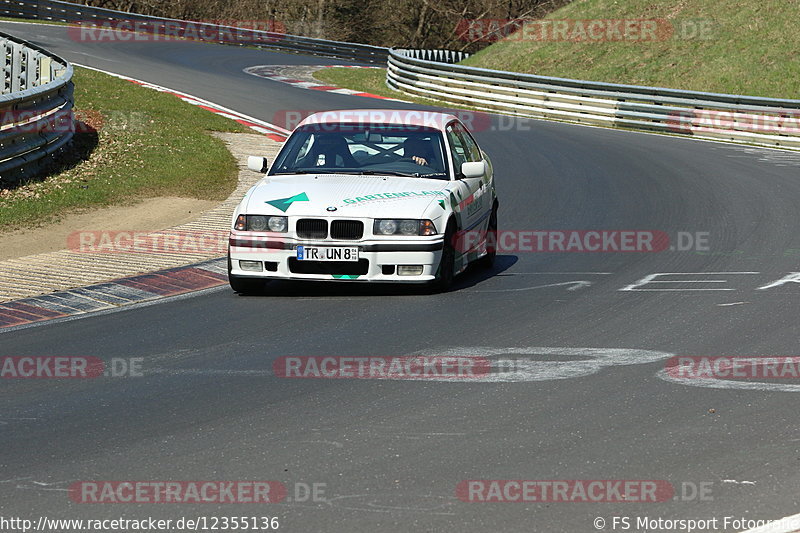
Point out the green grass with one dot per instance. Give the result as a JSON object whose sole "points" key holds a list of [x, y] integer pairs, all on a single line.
{"points": [[753, 48], [368, 80], [147, 144]]}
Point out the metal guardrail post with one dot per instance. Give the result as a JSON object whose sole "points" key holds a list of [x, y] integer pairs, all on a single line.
{"points": [[35, 108]]}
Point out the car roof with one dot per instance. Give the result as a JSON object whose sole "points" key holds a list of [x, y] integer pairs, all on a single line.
{"points": [[405, 117]]}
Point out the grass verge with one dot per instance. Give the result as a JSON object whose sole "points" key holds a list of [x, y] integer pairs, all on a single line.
{"points": [[134, 143]]}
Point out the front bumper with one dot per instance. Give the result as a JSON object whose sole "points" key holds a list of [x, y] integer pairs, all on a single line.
{"points": [[378, 259]]}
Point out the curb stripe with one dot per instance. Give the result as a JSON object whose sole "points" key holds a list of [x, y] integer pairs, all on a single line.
{"points": [[38, 312], [155, 283], [118, 293]]}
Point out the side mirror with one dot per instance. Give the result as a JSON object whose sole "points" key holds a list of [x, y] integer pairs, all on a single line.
{"points": [[474, 169], [257, 164]]}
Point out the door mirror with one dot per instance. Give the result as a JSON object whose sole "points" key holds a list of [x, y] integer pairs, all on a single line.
{"points": [[476, 169], [257, 163]]}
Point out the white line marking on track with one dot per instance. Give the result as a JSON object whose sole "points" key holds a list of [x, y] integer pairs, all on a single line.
{"points": [[651, 279], [715, 383], [536, 363]]}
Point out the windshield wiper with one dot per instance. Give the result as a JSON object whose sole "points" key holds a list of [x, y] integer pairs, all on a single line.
{"points": [[388, 173]]}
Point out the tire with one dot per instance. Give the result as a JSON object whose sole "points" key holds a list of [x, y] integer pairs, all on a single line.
{"points": [[447, 265], [244, 285], [487, 261]]}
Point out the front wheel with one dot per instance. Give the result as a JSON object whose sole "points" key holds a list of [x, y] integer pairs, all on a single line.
{"points": [[447, 265]]}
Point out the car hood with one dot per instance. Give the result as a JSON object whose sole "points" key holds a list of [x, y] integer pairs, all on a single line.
{"points": [[348, 195]]}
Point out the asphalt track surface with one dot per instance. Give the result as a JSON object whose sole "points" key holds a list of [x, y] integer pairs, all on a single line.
{"points": [[391, 453]]}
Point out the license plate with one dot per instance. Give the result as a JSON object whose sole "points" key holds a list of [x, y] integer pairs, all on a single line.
{"points": [[327, 253]]}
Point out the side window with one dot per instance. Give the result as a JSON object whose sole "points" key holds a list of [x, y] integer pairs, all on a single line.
{"points": [[470, 146], [297, 148], [460, 154], [304, 149]]}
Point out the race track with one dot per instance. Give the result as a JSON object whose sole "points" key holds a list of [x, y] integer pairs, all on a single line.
{"points": [[391, 453]]}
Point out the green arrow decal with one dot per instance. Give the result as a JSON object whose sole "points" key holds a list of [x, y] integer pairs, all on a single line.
{"points": [[284, 203]]}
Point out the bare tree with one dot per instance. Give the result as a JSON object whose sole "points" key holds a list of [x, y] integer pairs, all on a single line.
{"points": [[401, 23]]}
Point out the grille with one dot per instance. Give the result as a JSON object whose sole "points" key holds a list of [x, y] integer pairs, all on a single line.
{"points": [[344, 268], [312, 228], [347, 229]]}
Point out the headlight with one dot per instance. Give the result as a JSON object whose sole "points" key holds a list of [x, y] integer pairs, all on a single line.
{"points": [[385, 227], [277, 224], [403, 227], [409, 227], [256, 223], [261, 223]]}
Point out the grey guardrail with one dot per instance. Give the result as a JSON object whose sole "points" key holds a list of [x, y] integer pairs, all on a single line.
{"points": [[35, 107], [54, 10], [748, 119]]}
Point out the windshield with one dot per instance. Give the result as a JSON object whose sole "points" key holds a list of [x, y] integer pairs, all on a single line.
{"points": [[364, 149]]}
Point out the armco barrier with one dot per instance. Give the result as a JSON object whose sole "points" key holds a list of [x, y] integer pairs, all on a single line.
{"points": [[747, 119], [54, 10], [35, 107]]}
